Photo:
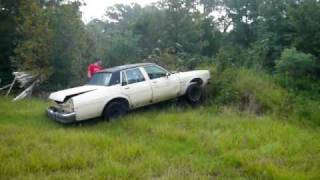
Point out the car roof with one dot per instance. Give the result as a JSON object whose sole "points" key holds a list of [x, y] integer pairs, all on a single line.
{"points": [[124, 67]]}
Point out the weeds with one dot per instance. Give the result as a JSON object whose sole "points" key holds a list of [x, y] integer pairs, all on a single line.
{"points": [[171, 143]]}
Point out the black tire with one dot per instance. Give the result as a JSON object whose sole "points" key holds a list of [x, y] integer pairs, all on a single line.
{"points": [[194, 94], [115, 110]]}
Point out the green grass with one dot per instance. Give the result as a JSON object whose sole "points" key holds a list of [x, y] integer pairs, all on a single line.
{"points": [[163, 142]]}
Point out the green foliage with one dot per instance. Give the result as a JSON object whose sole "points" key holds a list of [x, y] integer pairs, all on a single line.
{"points": [[251, 91], [51, 41], [211, 38], [244, 128], [305, 20], [298, 70], [166, 143], [183, 24], [131, 33], [34, 50], [252, 34], [229, 56], [8, 12], [259, 93], [167, 60], [296, 64], [123, 50], [70, 56], [306, 110]]}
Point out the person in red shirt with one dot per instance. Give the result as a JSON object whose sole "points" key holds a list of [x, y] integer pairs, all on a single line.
{"points": [[94, 68]]}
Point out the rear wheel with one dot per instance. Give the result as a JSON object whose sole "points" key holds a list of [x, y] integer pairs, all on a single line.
{"points": [[115, 110], [194, 94]]}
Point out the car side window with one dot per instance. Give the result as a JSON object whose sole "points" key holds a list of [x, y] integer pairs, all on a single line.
{"points": [[155, 72], [134, 76], [115, 79]]}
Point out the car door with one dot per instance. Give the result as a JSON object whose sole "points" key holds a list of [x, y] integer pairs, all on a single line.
{"points": [[135, 86], [164, 86]]}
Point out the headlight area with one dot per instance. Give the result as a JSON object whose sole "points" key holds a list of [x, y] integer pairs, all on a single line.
{"points": [[66, 107], [69, 106]]}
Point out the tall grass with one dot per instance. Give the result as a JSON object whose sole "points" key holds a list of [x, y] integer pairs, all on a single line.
{"points": [[161, 142], [259, 93]]}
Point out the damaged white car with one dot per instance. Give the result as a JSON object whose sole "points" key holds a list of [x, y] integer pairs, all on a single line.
{"points": [[113, 92]]}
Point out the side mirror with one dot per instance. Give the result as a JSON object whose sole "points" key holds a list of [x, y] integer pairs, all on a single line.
{"points": [[168, 74], [124, 83]]}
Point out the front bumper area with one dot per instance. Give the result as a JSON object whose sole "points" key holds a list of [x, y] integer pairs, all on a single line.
{"points": [[64, 118]]}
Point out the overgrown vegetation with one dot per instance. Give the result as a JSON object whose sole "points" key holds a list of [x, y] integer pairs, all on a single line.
{"points": [[261, 114], [259, 93], [249, 127], [166, 142], [49, 38]]}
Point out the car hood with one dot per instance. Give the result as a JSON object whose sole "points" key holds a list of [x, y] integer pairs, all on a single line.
{"points": [[60, 96]]}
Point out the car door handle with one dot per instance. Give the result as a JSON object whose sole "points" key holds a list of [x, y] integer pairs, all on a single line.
{"points": [[127, 88], [154, 82]]}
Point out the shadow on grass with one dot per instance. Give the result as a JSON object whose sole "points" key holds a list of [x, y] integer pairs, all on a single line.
{"points": [[161, 106]]}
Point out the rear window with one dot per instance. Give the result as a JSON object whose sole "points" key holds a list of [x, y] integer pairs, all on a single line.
{"points": [[100, 79]]}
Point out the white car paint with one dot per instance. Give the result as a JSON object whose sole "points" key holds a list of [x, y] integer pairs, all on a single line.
{"points": [[89, 101]]}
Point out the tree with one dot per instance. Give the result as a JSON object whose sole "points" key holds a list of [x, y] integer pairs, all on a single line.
{"points": [[211, 37], [298, 70], [296, 64], [183, 24], [34, 50], [8, 12], [69, 57], [304, 17], [52, 42], [149, 29]]}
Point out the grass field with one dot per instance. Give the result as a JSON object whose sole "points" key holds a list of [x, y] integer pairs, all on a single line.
{"points": [[161, 142]]}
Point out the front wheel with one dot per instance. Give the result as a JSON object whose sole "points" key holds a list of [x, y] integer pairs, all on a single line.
{"points": [[115, 110], [194, 94]]}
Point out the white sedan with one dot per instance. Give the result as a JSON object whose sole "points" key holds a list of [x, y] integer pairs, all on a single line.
{"points": [[112, 92]]}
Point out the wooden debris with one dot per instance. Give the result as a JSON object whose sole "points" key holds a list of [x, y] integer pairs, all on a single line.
{"points": [[26, 93], [24, 80], [11, 86], [5, 87]]}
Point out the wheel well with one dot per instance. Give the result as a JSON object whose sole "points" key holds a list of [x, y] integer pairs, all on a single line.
{"points": [[122, 100], [197, 80]]}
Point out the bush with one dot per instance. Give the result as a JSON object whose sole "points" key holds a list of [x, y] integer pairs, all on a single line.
{"points": [[258, 93], [296, 64], [306, 110], [248, 90], [298, 71], [229, 56], [253, 58]]}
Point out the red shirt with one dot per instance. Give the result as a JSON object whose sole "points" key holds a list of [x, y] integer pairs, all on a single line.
{"points": [[94, 68]]}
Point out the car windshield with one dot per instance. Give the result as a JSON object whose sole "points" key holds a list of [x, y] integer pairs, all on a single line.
{"points": [[100, 79]]}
